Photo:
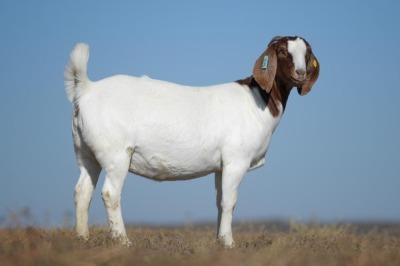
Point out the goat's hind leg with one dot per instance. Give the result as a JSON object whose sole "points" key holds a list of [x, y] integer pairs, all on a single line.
{"points": [[116, 166], [90, 171]]}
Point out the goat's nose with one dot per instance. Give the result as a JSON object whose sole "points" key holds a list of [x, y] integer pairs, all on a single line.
{"points": [[300, 72]]}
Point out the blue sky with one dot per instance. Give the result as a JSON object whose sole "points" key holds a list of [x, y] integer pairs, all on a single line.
{"points": [[334, 157]]}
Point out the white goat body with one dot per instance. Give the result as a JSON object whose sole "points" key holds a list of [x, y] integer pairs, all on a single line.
{"points": [[166, 131], [172, 131]]}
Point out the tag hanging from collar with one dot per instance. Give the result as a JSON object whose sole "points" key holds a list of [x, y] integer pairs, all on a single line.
{"points": [[265, 62]]}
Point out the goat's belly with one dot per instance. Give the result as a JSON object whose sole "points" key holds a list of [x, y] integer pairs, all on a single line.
{"points": [[177, 166]]}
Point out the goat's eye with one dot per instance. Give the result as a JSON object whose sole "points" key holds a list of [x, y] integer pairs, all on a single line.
{"points": [[282, 52]]}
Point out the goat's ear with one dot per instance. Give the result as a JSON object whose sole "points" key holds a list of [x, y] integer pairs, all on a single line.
{"points": [[265, 68], [312, 75]]}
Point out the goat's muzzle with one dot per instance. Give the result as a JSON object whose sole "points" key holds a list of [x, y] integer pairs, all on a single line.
{"points": [[298, 78]]}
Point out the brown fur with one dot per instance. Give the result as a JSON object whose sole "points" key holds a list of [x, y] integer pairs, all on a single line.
{"points": [[274, 82]]}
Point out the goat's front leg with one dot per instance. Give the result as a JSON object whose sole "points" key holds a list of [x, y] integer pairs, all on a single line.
{"points": [[218, 194], [115, 177], [226, 186]]}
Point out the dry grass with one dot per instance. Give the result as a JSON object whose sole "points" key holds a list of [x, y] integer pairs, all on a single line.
{"points": [[295, 244]]}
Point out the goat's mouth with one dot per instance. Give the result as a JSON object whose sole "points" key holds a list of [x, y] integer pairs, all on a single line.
{"points": [[298, 80]]}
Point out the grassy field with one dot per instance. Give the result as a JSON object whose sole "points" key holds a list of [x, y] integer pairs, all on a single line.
{"points": [[256, 244]]}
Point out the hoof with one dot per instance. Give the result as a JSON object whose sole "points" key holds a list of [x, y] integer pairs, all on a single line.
{"points": [[122, 241], [81, 238], [227, 242], [127, 243]]}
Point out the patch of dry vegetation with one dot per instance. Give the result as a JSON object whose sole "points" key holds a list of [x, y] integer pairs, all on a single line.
{"points": [[298, 244]]}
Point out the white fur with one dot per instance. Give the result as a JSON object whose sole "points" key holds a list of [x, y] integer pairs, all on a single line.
{"points": [[298, 49], [162, 131], [76, 70]]}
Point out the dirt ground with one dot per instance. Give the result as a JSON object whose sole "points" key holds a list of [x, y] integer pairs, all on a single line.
{"points": [[256, 244]]}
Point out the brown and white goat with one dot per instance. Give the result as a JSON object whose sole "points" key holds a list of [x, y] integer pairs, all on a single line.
{"points": [[165, 131]]}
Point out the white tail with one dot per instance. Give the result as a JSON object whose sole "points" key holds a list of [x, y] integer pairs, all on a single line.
{"points": [[75, 71]]}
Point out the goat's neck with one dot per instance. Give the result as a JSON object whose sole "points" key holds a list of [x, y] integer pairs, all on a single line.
{"points": [[277, 97], [279, 94]]}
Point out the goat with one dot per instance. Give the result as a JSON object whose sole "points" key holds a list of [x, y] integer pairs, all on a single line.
{"points": [[165, 131]]}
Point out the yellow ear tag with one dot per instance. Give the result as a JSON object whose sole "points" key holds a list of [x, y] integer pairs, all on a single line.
{"points": [[315, 64]]}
